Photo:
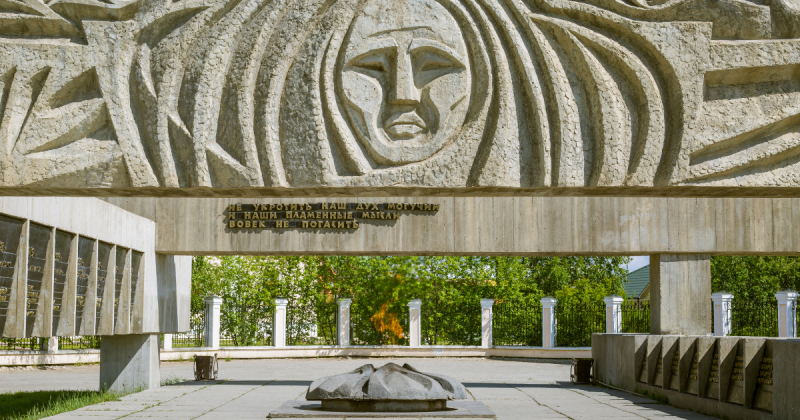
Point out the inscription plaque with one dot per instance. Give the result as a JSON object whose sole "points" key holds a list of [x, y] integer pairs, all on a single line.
{"points": [[85, 251], [762, 398], [712, 385], [691, 379], [60, 267], [318, 216], [119, 274], [38, 241], [674, 379], [10, 230], [736, 387], [103, 252], [136, 261]]}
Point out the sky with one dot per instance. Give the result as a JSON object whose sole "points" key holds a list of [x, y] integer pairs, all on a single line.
{"points": [[638, 262]]}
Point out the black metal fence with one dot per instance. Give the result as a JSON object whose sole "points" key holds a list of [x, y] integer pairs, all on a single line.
{"points": [[378, 326], [575, 323], [635, 317], [64, 343], [247, 324], [459, 326], [754, 318], [78, 343], [517, 324], [311, 326], [195, 337]]}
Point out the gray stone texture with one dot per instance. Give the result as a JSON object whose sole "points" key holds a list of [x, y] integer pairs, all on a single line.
{"points": [[619, 363], [570, 97], [129, 362], [495, 225], [250, 390], [389, 382], [680, 289]]}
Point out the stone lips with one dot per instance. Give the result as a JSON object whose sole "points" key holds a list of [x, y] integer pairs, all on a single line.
{"points": [[390, 382]]}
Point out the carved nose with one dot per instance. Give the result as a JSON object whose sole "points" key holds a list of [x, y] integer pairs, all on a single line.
{"points": [[404, 92]]}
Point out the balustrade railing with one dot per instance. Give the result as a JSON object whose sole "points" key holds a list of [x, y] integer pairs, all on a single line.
{"points": [[754, 318], [196, 334], [575, 323], [461, 326], [246, 324], [635, 317]]}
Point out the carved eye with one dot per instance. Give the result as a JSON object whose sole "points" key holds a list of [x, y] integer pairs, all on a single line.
{"points": [[437, 62], [371, 62]]}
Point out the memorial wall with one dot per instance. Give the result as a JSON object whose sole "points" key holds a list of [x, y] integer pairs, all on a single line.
{"points": [[376, 97], [728, 377], [74, 266]]}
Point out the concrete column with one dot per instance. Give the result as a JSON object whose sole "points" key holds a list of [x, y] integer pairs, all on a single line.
{"points": [[166, 343], [722, 313], [52, 345], [549, 322], [680, 286], [787, 313], [279, 334], [415, 323], [613, 314], [212, 321], [486, 322], [343, 322], [129, 362]]}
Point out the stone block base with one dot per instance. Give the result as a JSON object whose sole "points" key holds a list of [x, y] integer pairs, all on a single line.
{"points": [[313, 410], [129, 362]]}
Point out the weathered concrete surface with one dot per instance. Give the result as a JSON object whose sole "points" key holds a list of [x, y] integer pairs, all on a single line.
{"points": [[389, 382], [495, 226], [130, 362], [514, 390], [753, 377], [277, 97], [680, 292]]}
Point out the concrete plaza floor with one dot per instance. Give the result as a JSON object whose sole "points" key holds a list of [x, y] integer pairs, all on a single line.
{"points": [[249, 390]]}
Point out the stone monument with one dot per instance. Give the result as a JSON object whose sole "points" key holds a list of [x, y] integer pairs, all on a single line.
{"points": [[390, 388], [389, 391]]}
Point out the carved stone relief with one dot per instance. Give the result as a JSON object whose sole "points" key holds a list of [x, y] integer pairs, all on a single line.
{"points": [[399, 93]]}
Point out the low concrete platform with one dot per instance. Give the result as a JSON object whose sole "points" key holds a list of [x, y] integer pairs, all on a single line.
{"points": [[251, 389], [311, 409]]}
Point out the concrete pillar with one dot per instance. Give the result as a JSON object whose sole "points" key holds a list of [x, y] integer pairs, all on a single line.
{"points": [[549, 322], [166, 343], [212, 321], [722, 313], [680, 286], [52, 345], [613, 314], [787, 313], [279, 334], [486, 322], [129, 362], [415, 323], [343, 322]]}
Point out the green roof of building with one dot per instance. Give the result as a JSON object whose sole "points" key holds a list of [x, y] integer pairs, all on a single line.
{"points": [[637, 281]]}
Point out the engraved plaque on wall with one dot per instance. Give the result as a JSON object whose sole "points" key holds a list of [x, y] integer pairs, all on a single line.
{"points": [[674, 379], [103, 252], [136, 260], [10, 230], [691, 379], [63, 245], [712, 386], [85, 250], [762, 399], [38, 240], [736, 387], [119, 275], [658, 380]]}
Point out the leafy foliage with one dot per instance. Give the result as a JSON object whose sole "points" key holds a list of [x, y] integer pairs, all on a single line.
{"points": [[381, 287]]}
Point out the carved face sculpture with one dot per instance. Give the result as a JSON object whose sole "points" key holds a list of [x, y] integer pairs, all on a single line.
{"points": [[405, 79]]}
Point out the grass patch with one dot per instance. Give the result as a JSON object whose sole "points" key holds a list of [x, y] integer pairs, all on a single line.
{"points": [[172, 380], [40, 404]]}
